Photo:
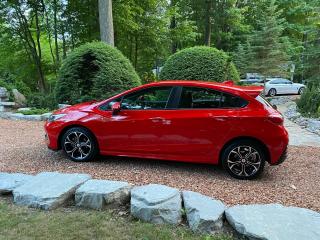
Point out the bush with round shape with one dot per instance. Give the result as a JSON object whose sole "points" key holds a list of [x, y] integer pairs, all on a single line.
{"points": [[94, 71], [200, 63]]}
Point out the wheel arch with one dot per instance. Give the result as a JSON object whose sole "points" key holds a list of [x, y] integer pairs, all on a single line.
{"points": [[256, 140], [66, 128]]}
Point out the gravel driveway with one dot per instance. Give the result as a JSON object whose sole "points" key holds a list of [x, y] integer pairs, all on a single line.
{"points": [[295, 182]]}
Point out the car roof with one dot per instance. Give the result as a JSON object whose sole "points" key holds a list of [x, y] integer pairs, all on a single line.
{"points": [[226, 86]]}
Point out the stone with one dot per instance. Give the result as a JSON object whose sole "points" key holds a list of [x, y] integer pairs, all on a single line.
{"points": [[97, 194], [3, 93], [23, 109], [45, 116], [156, 204], [19, 98], [274, 222], [60, 106], [48, 190], [10, 181], [204, 214]]}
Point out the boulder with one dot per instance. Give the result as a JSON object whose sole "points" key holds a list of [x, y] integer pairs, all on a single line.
{"points": [[97, 194], [48, 190], [3, 93], [274, 222], [10, 181], [205, 215], [156, 204], [19, 98]]}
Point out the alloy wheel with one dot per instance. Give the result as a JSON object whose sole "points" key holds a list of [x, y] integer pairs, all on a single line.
{"points": [[77, 145], [244, 161]]}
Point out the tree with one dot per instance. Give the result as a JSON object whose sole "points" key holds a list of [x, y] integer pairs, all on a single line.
{"points": [[106, 21], [24, 17], [267, 44]]}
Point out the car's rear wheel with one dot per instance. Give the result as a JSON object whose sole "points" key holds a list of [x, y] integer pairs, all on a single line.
{"points": [[301, 90], [244, 159], [272, 92], [79, 144]]}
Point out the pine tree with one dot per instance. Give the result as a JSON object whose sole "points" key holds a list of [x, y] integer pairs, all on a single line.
{"points": [[242, 58], [269, 56]]}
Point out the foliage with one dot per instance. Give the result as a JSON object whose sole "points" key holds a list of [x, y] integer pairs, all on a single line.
{"points": [[34, 111], [265, 51], [200, 63], [94, 71], [42, 101], [23, 223], [309, 103]]}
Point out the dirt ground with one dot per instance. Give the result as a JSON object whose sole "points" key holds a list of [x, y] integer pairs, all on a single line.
{"points": [[295, 182]]}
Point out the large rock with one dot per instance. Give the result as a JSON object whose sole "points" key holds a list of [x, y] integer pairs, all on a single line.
{"points": [[48, 190], [10, 181], [97, 194], [156, 204], [204, 214], [19, 98], [3, 93], [274, 222]]}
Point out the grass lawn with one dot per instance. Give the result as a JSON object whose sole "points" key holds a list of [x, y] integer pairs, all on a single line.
{"points": [[73, 223]]}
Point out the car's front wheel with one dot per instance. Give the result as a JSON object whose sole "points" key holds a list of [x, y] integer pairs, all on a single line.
{"points": [[79, 144], [244, 159]]}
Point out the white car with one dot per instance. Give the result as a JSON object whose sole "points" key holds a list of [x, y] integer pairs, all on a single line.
{"points": [[276, 86]]}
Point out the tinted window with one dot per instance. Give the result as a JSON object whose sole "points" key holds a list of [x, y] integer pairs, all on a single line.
{"points": [[231, 101], [151, 98], [208, 98], [108, 105]]}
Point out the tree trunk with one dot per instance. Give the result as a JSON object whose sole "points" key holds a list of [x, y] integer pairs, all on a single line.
{"points": [[106, 21], [55, 26], [207, 39], [173, 25], [42, 86]]}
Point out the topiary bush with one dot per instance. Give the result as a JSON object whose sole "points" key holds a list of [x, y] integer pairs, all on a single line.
{"points": [[200, 63], [94, 71]]}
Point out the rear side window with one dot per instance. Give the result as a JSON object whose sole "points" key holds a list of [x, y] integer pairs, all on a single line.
{"points": [[201, 98]]}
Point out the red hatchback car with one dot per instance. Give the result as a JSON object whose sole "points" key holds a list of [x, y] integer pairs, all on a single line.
{"points": [[189, 121]]}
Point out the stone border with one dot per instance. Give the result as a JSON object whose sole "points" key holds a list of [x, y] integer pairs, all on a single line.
{"points": [[161, 204], [20, 116]]}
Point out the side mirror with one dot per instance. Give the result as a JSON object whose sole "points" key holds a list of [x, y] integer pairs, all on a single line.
{"points": [[274, 107], [116, 107]]}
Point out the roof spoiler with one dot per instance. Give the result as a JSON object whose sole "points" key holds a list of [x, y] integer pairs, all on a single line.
{"points": [[253, 91]]}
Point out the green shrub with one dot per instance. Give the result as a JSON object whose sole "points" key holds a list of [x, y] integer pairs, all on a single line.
{"points": [[309, 103], [34, 111], [199, 63], [42, 101], [94, 71]]}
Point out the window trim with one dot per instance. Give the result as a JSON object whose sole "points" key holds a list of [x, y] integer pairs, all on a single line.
{"points": [[170, 99], [211, 89]]}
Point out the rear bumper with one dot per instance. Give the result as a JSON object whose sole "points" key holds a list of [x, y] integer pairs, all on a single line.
{"points": [[282, 158]]}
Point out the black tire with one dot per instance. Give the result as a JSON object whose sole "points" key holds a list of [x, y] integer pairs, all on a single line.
{"points": [[235, 165], [79, 144], [272, 92], [301, 90]]}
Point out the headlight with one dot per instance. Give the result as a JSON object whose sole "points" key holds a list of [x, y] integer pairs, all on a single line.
{"points": [[55, 117]]}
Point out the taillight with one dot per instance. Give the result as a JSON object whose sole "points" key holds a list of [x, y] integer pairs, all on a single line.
{"points": [[276, 118]]}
